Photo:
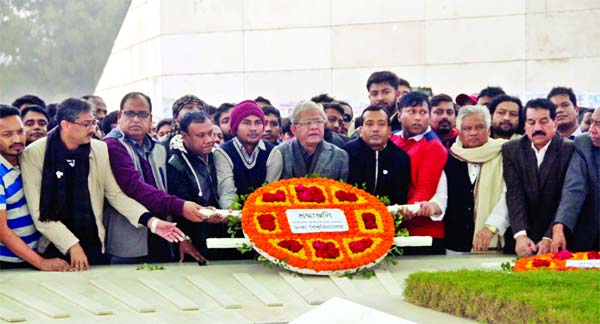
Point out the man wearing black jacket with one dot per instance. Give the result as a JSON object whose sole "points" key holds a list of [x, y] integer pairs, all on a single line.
{"points": [[384, 169]]}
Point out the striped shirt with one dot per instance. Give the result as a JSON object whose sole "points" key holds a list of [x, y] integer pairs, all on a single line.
{"points": [[12, 200]]}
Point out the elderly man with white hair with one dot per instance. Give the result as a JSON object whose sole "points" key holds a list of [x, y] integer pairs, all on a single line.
{"points": [[476, 215], [307, 153]]}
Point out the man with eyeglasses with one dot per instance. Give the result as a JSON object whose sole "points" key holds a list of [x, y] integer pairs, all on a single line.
{"points": [[35, 120], [140, 168], [307, 153], [579, 206], [427, 160], [66, 179]]}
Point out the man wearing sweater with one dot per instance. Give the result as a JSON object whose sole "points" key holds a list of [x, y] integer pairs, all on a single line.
{"points": [[427, 160], [242, 161], [139, 166]]}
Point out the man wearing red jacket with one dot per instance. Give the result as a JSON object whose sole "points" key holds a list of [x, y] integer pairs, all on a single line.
{"points": [[427, 160]]}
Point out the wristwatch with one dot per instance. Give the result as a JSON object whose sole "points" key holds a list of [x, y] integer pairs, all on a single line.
{"points": [[492, 228]]}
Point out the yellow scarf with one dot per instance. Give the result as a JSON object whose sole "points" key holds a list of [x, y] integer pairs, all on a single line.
{"points": [[489, 185]]}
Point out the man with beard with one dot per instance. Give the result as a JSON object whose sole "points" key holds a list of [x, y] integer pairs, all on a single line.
{"points": [[442, 119], [241, 162], [566, 111], [506, 117], [180, 107], [66, 179], [18, 236], [384, 89], [35, 119], [534, 172], [577, 222], [382, 167], [223, 118]]}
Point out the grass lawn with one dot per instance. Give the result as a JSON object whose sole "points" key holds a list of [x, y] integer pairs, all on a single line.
{"points": [[510, 297]]}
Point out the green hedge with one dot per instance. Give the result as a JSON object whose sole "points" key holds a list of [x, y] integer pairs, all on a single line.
{"points": [[510, 297]]}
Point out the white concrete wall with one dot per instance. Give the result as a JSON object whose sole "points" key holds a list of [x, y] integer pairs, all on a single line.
{"points": [[288, 50]]}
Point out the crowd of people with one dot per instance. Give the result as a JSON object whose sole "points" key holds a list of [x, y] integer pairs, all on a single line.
{"points": [[80, 186]]}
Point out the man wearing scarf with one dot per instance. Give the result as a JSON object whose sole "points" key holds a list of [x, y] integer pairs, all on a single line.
{"points": [[66, 177], [476, 215]]}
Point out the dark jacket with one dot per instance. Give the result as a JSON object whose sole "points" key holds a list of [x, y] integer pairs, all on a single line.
{"points": [[532, 196], [336, 139], [579, 208], [385, 172]]}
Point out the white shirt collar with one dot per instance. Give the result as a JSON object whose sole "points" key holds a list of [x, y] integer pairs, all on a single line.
{"points": [[417, 137]]}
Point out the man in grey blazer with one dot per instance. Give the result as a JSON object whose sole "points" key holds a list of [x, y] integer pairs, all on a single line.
{"points": [[579, 209], [308, 153], [534, 172]]}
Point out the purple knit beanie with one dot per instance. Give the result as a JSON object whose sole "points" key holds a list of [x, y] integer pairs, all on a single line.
{"points": [[243, 110]]}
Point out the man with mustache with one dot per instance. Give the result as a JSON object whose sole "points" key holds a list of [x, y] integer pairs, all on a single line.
{"points": [[272, 132], [577, 222], [383, 168], [241, 161], [506, 116], [35, 120], [427, 160], [442, 119], [534, 171], [18, 236], [66, 179], [566, 111]]}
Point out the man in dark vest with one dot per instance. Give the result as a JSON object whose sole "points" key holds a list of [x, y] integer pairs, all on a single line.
{"points": [[139, 166], [534, 172], [242, 161], [476, 214]]}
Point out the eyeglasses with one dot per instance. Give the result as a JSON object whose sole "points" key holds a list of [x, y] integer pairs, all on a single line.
{"points": [[347, 118], [86, 124], [308, 123], [139, 114]]}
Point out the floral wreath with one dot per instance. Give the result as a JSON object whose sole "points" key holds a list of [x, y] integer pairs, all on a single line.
{"points": [[554, 261], [367, 240]]}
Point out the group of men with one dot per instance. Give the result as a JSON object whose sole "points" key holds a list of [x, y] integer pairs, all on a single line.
{"points": [[69, 201]]}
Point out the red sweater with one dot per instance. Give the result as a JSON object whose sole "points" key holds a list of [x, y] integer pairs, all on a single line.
{"points": [[427, 160]]}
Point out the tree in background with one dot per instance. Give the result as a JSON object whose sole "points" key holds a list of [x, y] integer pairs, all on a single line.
{"points": [[55, 48]]}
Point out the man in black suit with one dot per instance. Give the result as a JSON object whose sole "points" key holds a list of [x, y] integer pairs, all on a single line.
{"points": [[534, 172]]}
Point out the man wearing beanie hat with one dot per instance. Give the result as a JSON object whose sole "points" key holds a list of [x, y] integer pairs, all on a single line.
{"points": [[180, 107], [242, 161]]}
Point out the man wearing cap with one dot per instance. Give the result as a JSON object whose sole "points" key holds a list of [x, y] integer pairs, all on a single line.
{"points": [[308, 153], [241, 162], [181, 107], [464, 99]]}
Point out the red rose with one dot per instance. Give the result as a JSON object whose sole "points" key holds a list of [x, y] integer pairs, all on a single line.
{"points": [[326, 250], [593, 255], [360, 245], [369, 220], [267, 222], [540, 263], [291, 245]]}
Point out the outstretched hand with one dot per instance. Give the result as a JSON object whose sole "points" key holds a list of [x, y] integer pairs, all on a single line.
{"points": [[168, 230]]}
